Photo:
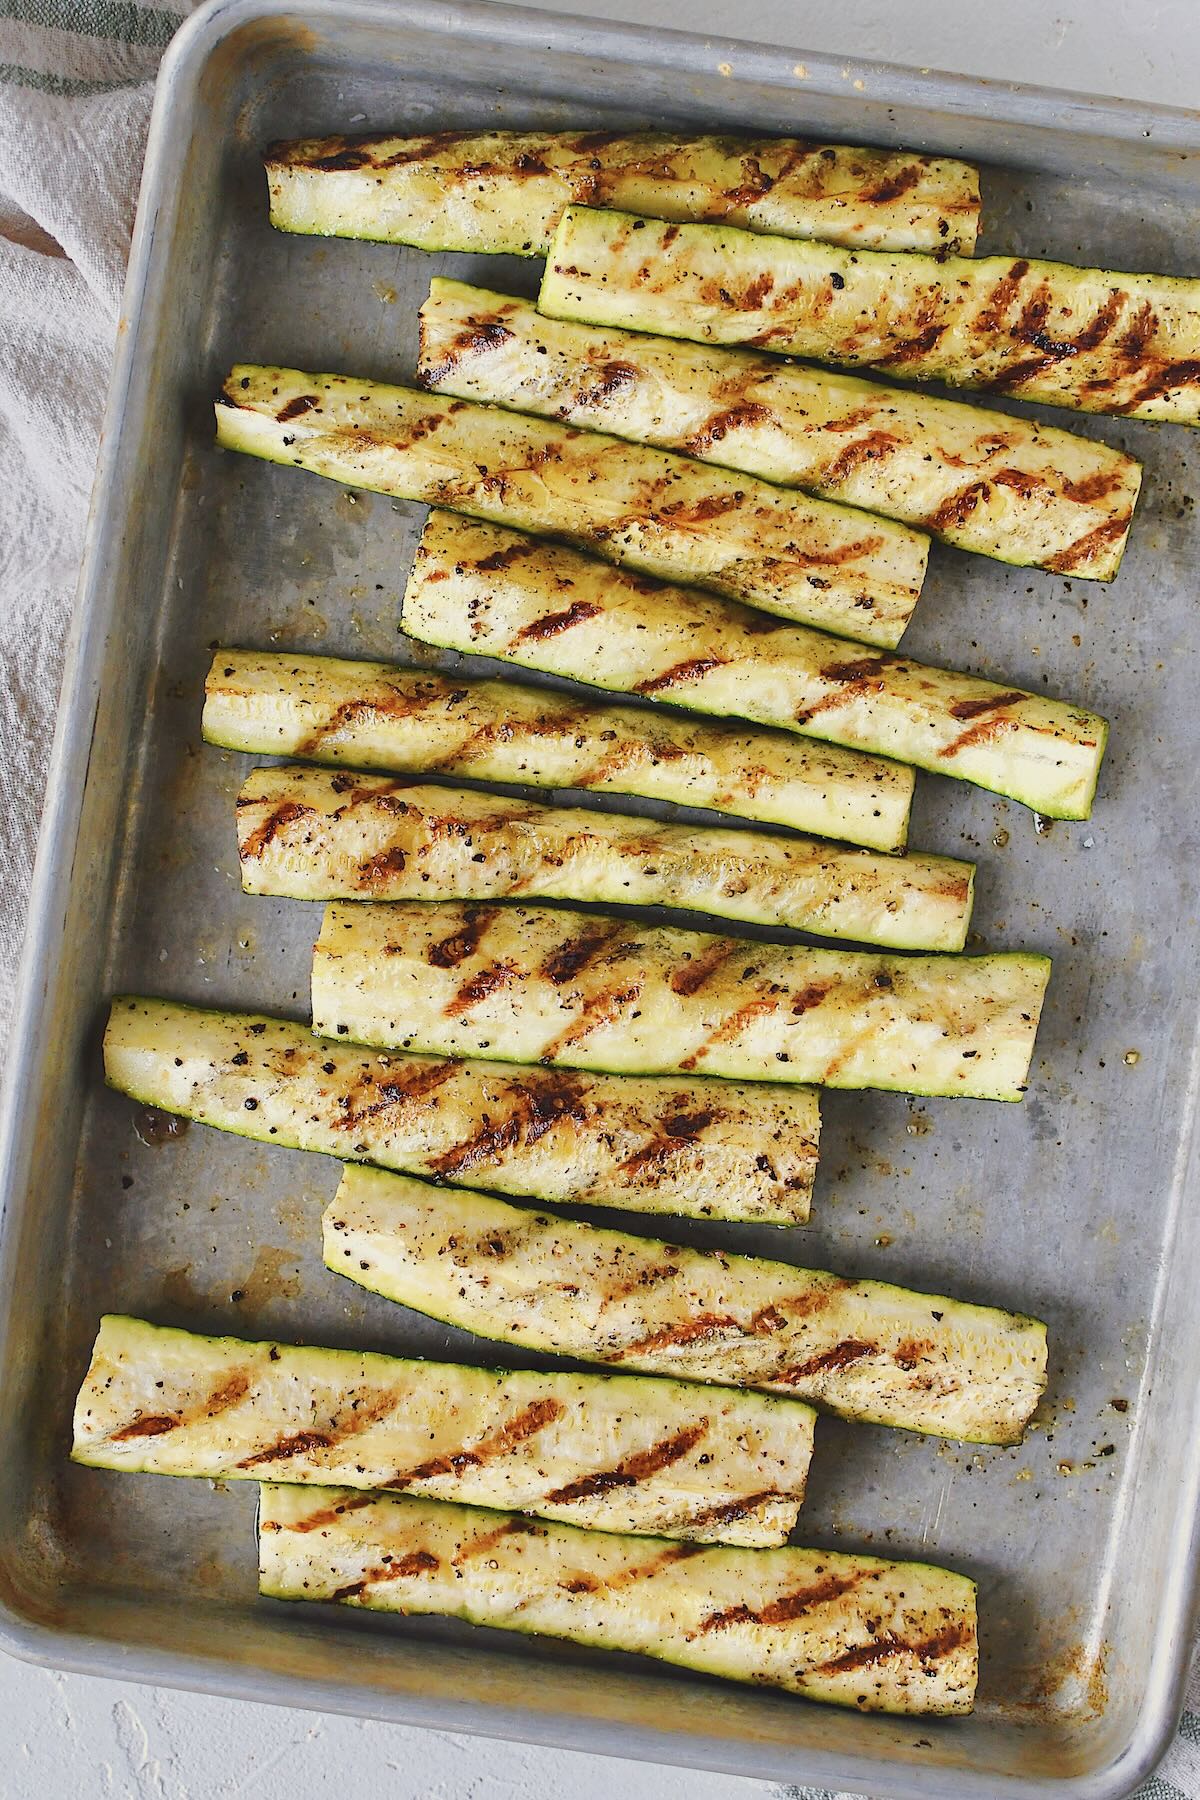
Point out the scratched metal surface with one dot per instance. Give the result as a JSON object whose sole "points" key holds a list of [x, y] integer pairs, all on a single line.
{"points": [[1078, 1205]]}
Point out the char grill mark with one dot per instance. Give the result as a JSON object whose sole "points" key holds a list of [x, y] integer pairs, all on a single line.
{"points": [[957, 508], [449, 952], [568, 960], [924, 1650], [1160, 379], [598, 1011], [297, 1443], [744, 415], [691, 976], [727, 1512], [639, 1467], [787, 1607], [984, 731], [301, 404], [552, 624], [838, 1356], [416, 1562], [603, 381], [680, 1133], [488, 1540], [350, 713], [480, 987], [372, 1096], [871, 448], [729, 1028], [863, 676], [227, 1393], [691, 1331], [328, 1515], [1082, 551], [892, 186], [992, 314], [690, 670], [537, 1109], [974, 709], [377, 871], [1096, 486], [355, 1419], [265, 833], [530, 1420], [498, 560], [479, 338]]}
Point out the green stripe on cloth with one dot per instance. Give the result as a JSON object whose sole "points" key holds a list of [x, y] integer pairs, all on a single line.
{"points": [[1189, 1727], [17, 75], [118, 19], [1158, 1789]]}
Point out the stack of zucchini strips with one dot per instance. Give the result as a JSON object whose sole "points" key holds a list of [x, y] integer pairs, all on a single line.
{"points": [[632, 486]]}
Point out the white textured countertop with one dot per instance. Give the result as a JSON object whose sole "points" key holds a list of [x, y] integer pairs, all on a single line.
{"points": [[65, 1737]]}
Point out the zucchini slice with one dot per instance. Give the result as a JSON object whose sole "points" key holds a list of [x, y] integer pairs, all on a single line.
{"points": [[307, 834], [893, 1637], [708, 1149], [866, 1350], [661, 513], [1099, 340], [626, 1452], [586, 991], [475, 587], [503, 192], [373, 716], [1006, 487]]}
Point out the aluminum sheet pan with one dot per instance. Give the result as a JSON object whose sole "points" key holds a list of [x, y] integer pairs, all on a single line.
{"points": [[1079, 1205]]}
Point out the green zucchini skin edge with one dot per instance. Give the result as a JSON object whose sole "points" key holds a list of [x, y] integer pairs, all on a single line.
{"points": [[308, 835], [396, 1211], [1010, 488], [405, 720], [698, 1147], [775, 1013], [556, 1573], [696, 638], [670, 1457], [627, 504], [1136, 352], [501, 192]]}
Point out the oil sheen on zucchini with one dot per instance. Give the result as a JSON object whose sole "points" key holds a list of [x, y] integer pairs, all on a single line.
{"points": [[1005, 487], [1099, 340], [475, 587], [866, 1350], [657, 512], [374, 716], [708, 1149], [502, 192], [855, 1631], [308, 834], [625, 1453], [586, 991]]}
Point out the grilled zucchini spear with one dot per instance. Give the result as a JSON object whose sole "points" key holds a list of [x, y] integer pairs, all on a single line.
{"points": [[372, 716], [1098, 340], [504, 191], [586, 991], [624, 1452], [1005, 487], [475, 587], [852, 1630], [864, 1349], [710, 1149], [657, 512], [309, 835]]}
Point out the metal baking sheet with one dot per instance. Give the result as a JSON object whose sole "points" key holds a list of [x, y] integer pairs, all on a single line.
{"points": [[1079, 1205]]}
